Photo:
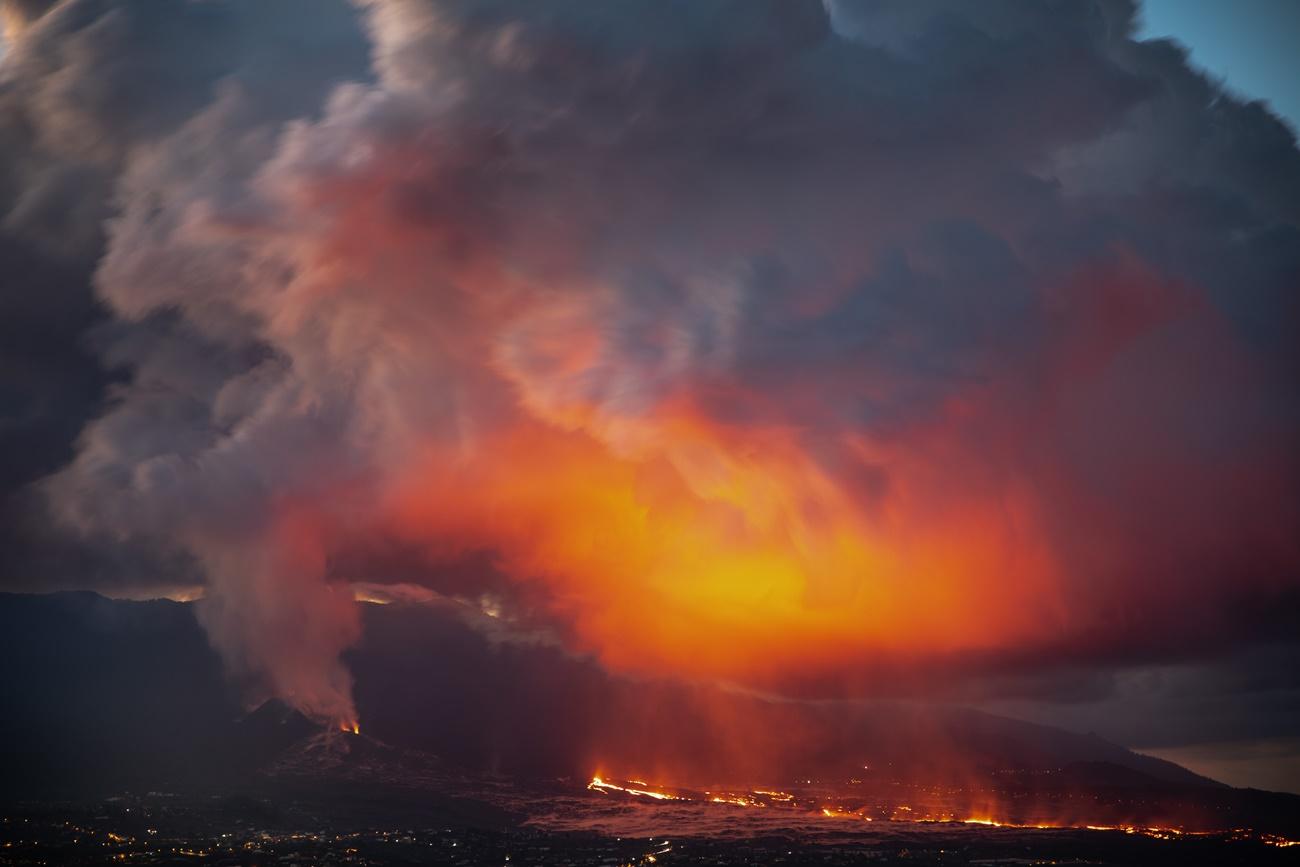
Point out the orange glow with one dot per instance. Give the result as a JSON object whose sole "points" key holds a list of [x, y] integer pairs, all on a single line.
{"points": [[729, 554], [879, 809], [765, 548], [1280, 842], [734, 800], [997, 823], [775, 796], [840, 813], [352, 727], [599, 785]]}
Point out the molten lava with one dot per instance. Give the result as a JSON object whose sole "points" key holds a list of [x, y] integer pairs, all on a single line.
{"points": [[734, 799], [599, 785], [944, 805]]}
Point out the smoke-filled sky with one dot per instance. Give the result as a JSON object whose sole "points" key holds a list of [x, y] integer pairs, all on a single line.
{"points": [[827, 351]]}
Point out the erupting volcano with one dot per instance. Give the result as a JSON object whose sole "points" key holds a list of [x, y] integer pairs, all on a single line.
{"points": [[820, 411]]}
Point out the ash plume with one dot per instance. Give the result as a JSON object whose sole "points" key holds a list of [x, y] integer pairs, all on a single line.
{"points": [[805, 347]]}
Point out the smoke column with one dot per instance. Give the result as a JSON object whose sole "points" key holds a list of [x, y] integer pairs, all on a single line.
{"points": [[802, 347]]}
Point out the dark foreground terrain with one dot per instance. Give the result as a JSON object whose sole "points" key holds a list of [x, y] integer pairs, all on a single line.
{"points": [[122, 742], [338, 798], [168, 829]]}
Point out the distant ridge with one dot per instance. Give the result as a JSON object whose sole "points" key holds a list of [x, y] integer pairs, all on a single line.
{"points": [[105, 693]]}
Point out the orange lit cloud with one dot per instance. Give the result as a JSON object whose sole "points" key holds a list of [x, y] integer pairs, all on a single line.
{"points": [[784, 377]]}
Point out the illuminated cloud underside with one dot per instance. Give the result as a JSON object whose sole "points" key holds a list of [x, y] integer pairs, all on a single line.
{"points": [[744, 347]]}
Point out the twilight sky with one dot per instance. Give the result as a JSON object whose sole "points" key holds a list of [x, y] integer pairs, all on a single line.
{"points": [[830, 351], [1249, 43]]}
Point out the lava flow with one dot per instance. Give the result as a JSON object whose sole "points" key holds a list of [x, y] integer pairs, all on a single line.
{"points": [[599, 785], [814, 804]]}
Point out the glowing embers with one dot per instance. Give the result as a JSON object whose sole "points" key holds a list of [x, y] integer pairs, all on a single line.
{"points": [[948, 807], [599, 785], [841, 813], [352, 727], [756, 799], [734, 799], [1280, 842], [1000, 823], [784, 797]]}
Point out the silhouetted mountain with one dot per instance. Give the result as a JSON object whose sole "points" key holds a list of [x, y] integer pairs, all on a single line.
{"points": [[103, 695], [267, 732], [427, 677], [329, 751], [1085, 775]]}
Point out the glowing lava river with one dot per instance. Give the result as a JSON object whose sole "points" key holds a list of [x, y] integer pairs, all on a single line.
{"points": [[860, 814]]}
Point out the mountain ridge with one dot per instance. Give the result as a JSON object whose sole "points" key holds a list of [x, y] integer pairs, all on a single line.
{"points": [[129, 690]]}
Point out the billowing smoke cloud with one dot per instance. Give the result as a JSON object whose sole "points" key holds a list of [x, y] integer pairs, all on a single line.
{"points": [[17, 15], [809, 348], [88, 89]]}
